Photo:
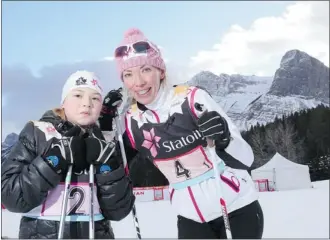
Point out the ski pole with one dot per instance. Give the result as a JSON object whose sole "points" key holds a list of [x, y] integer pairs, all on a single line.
{"points": [[91, 190], [122, 149], [214, 156], [91, 206], [65, 201], [220, 190]]}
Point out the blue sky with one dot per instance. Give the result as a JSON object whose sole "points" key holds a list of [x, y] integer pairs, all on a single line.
{"points": [[36, 34]]}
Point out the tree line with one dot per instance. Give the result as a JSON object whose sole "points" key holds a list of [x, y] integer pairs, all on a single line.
{"points": [[302, 137]]}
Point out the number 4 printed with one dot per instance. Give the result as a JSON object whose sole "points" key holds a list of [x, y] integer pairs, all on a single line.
{"points": [[180, 170]]}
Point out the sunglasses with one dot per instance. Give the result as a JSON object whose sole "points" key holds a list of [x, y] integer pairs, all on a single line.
{"points": [[138, 48]]}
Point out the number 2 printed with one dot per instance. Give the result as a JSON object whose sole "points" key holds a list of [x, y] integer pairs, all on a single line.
{"points": [[81, 198]]}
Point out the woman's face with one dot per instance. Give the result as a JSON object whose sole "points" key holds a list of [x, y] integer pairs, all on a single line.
{"points": [[143, 82]]}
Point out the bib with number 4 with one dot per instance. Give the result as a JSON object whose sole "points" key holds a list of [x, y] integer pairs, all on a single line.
{"points": [[175, 145]]}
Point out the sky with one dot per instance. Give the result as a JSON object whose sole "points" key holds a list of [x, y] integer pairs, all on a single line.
{"points": [[45, 33], [44, 42]]}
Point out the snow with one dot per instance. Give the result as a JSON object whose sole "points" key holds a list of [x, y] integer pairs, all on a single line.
{"points": [[287, 214], [288, 57], [268, 106], [237, 101], [296, 213]]}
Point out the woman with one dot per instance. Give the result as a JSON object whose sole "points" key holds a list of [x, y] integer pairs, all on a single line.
{"points": [[32, 176], [170, 126]]}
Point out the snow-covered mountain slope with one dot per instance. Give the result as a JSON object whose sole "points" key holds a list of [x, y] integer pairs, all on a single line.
{"points": [[301, 82], [268, 106], [232, 92]]}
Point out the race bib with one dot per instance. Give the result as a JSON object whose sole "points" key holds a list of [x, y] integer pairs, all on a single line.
{"points": [[78, 201], [184, 167]]}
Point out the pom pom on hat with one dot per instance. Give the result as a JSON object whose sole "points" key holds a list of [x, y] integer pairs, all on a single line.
{"points": [[133, 31], [81, 79], [133, 35]]}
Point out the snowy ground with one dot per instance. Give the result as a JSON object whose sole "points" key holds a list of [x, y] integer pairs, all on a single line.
{"points": [[288, 214]]}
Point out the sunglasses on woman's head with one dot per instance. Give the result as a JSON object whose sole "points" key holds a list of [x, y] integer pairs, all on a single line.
{"points": [[138, 48]]}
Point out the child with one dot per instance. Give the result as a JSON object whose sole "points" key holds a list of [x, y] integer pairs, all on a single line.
{"points": [[170, 126], [34, 172]]}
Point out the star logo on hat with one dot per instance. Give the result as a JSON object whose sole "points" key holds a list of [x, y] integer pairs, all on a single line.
{"points": [[95, 82]]}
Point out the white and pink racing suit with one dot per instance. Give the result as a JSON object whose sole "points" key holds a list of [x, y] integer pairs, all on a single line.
{"points": [[166, 132]]}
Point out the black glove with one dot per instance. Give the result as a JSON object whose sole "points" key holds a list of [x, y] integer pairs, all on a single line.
{"points": [[103, 155], [65, 151], [58, 162], [68, 150], [214, 127], [111, 103]]}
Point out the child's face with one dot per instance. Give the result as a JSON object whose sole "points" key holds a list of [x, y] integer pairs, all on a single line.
{"points": [[143, 82], [82, 106]]}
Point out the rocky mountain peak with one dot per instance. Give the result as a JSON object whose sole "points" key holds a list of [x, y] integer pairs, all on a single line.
{"points": [[303, 75], [216, 85]]}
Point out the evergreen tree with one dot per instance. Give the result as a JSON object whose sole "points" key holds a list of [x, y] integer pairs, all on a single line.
{"points": [[302, 136]]}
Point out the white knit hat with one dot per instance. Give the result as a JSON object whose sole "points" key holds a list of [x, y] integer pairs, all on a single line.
{"points": [[81, 79]]}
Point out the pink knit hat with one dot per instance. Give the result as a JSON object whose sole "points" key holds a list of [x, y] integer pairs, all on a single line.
{"points": [[151, 57]]}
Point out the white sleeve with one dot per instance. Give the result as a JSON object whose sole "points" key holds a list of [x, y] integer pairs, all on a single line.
{"points": [[238, 148]]}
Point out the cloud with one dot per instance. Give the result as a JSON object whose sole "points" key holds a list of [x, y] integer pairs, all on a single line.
{"points": [[259, 48], [26, 96], [109, 58]]}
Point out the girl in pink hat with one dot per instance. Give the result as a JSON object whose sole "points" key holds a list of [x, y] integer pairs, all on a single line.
{"points": [[172, 126]]}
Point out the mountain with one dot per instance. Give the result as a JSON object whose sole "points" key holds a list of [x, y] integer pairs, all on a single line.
{"points": [[6, 145], [301, 74], [300, 82], [235, 92], [268, 106]]}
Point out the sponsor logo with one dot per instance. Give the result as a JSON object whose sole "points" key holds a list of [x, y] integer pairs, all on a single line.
{"points": [[182, 142]]}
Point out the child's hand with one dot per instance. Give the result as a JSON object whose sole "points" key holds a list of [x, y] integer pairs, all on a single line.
{"points": [[102, 154], [67, 151]]}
